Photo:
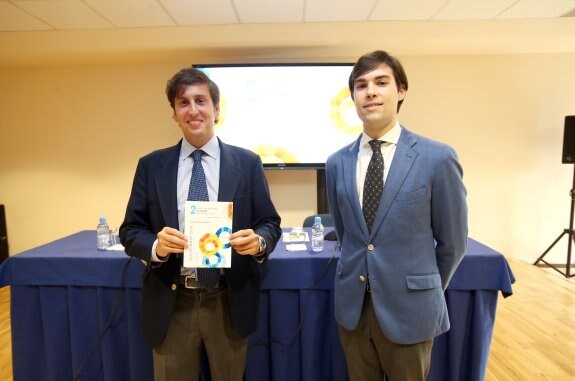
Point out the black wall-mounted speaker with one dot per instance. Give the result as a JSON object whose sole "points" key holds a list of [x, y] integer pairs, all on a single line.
{"points": [[569, 140], [3, 235]]}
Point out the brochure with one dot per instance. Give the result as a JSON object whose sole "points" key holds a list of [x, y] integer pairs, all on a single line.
{"points": [[208, 226]]}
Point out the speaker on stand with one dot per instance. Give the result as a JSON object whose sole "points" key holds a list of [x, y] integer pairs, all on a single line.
{"points": [[568, 158], [569, 140], [3, 235]]}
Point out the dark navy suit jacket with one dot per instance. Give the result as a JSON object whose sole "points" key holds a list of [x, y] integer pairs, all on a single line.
{"points": [[153, 205]]}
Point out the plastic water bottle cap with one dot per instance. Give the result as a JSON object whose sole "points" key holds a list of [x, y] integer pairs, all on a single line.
{"points": [[102, 220], [318, 220]]}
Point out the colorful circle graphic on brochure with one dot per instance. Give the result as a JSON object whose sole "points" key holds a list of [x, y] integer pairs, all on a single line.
{"points": [[209, 244], [216, 260], [223, 234], [231, 211], [208, 226]]}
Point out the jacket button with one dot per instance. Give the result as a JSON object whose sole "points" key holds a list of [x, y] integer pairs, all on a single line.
{"points": [[362, 278], [174, 287], [370, 247]]}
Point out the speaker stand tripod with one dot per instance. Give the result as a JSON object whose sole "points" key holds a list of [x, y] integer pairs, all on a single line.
{"points": [[569, 232]]}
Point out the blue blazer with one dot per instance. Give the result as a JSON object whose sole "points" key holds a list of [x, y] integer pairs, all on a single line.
{"points": [[417, 241], [153, 205]]}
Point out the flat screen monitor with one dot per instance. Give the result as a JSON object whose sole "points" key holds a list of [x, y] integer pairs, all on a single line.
{"points": [[292, 115]]}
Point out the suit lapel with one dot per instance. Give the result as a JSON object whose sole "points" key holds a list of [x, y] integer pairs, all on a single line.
{"points": [[350, 175], [229, 180], [402, 162], [166, 183]]}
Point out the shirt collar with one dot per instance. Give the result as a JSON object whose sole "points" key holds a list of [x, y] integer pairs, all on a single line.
{"points": [[392, 136], [211, 148]]}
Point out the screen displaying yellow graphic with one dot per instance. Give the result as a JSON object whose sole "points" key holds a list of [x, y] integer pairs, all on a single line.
{"points": [[287, 114], [343, 114]]}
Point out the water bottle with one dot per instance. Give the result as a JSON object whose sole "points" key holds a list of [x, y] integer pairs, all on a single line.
{"points": [[103, 234], [317, 235]]}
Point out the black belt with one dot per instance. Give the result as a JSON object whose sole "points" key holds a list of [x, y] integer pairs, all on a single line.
{"points": [[190, 282]]}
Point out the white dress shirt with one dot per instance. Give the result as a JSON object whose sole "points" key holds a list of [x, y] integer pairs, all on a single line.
{"points": [[211, 164], [390, 140]]}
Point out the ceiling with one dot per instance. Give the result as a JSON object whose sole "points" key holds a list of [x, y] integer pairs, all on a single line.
{"points": [[53, 31], [34, 15]]}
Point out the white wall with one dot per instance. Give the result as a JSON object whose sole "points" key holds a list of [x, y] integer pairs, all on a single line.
{"points": [[70, 137]]}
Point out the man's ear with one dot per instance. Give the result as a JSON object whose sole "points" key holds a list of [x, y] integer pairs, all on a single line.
{"points": [[402, 92], [216, 113]]}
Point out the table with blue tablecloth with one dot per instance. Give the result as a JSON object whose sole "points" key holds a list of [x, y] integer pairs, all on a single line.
{"points": [[75, 314]]}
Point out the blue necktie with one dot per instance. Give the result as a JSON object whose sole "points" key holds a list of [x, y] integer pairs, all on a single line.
{"points": [[198, 191], [373, 185]]}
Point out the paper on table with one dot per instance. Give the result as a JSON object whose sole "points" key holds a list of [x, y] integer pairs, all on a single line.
{"points": [[303, 237], [296, 247], [208, 226], [116, 247]]}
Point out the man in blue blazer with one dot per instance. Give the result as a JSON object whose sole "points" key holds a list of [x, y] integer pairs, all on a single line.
{"points": [[400, 245], [180, 314]]}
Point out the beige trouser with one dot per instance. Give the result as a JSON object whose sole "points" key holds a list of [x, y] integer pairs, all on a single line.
{"points": [[200, 317], [370, 355]]}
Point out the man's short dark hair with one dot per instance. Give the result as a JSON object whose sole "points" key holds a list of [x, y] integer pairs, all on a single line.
{"points": [[371, 61], [190, 76]]}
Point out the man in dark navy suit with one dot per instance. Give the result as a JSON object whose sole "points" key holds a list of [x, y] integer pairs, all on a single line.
{"points": [[179, 313]]}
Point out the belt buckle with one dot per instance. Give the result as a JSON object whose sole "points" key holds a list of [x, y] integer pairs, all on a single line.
{"points": [[191, 279]]}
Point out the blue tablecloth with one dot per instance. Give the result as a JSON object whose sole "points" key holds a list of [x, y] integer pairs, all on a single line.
{"points": [[63, 293]]}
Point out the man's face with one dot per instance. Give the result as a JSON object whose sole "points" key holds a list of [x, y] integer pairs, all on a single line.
{"points": [[196, 114], [376, 97]]}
